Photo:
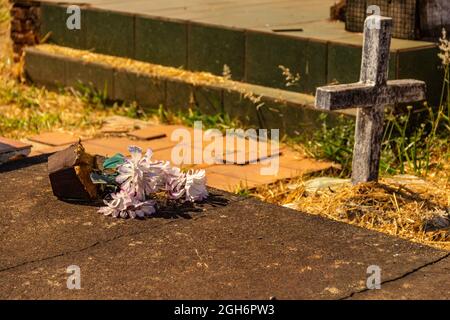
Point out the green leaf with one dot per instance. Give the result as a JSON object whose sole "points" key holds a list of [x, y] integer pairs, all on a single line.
{"points": [[114, 161], [98, 178]]}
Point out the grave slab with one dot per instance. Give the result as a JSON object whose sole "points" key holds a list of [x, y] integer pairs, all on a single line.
{"points": [[155, 132], [54, 138], [113, 145], [9, 145], [13, 149], [228, 183], [226, 248], [121, 124], [429, 282]]}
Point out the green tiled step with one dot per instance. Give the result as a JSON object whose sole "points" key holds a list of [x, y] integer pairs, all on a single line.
{"points": [[253, 56], [293, 113]]}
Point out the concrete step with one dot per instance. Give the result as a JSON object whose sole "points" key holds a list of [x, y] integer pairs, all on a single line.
{"points": [[252, 37], [225, 248], [176, 89]]}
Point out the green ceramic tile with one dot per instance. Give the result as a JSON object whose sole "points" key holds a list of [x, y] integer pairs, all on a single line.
{"points": [[150, 92], [124, 85], [97, 76], [210, 48], [313, 73], [267, 52], [45, 69], [422, 64], [393, 57], [53, 22], [208, 100], [293, 120], [290, 119], [236, 106], [161, 41], [344, 63], [110, 33], [179, 95]]}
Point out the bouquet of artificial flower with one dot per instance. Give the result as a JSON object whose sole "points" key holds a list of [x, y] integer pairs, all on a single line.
{"points": [[139, 178]]}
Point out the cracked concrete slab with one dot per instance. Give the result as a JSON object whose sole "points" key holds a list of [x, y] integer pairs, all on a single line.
{"points": [[227, 248], [35, 225], [431, 281]]}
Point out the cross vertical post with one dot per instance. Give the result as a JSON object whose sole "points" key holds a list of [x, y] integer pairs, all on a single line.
{"points": [[370, 95], [369, 121]]}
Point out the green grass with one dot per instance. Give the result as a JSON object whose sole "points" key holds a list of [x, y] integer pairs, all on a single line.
{"points": [[414, 141], [220, 120]]}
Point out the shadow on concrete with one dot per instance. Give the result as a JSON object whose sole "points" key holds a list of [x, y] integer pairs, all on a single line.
{"points": [[23, 163]]}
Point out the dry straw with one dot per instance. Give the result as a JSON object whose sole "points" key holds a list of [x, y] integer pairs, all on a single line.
{"points": [[418, 211]]}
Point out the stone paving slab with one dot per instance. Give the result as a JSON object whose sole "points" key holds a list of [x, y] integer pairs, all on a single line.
{"points": [[40, 149], [54, 138], [246, 173], [153, 132], [253, 172], [228, 183], [227, 248], [12, 149], [121, 144], [10, 145], [120, 124]]}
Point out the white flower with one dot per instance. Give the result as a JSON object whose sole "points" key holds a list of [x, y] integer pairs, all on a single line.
{"points": [[131, 172], [143, 209], [175, 181], [156, 177], [196, 185], [120, 202], [124, 205], [139, 175]]}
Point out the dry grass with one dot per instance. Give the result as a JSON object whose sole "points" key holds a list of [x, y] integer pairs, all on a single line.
{"points": [[417, 211], [195, 78], [27, 110]]}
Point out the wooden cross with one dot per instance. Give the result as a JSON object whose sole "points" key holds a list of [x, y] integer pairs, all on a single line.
{"points": [[370, 95]]}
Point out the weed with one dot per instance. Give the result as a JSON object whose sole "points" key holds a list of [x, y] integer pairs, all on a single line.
{"points": [[90, 95], [291, 79], [334, 142]]}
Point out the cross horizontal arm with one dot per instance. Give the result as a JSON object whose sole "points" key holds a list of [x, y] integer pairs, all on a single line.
{"points": [[362, 95]]}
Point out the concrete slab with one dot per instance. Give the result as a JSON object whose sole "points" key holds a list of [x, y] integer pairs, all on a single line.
{"points": [[12, 149], [114, 145], [156, 131], [55, 138], [227, 248], [312, 16], [429, 282], [228, 183], [10, 145]]}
